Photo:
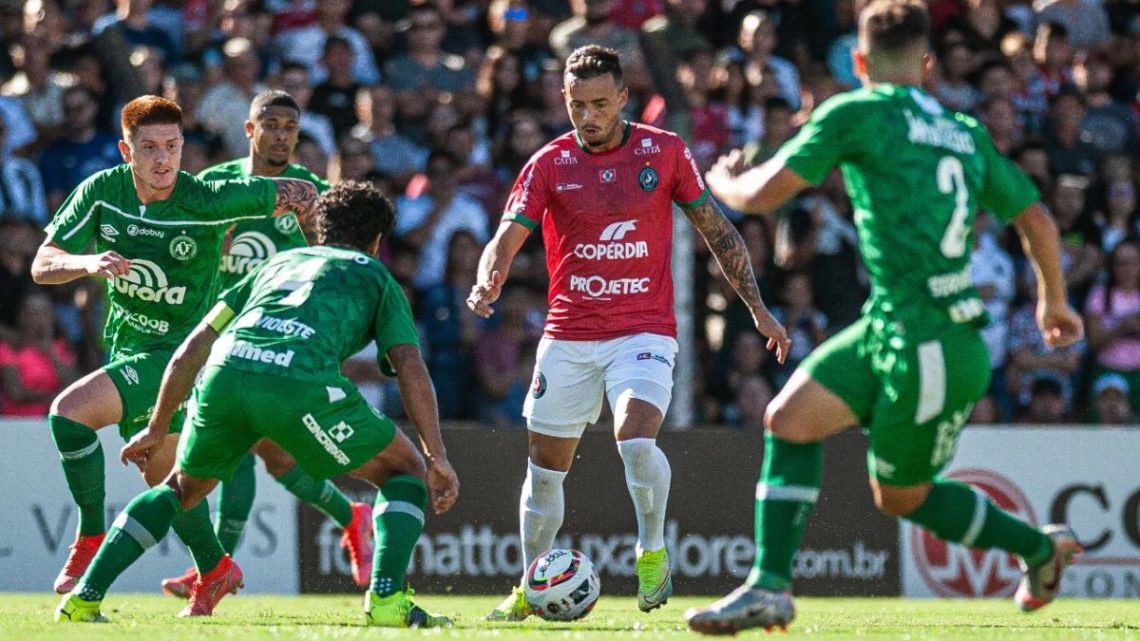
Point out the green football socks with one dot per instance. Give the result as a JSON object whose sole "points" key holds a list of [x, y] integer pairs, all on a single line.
{"points": [[146, 519], [953, 511], [194, 528], [399, 519], [785, 496], [235, 502], [322, 495], [82, 459]]}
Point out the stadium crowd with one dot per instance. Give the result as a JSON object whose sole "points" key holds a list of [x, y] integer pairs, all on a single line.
{"points": [[441, 103]]}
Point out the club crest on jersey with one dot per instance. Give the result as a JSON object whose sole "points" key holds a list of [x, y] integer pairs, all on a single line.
{"points": [[647, 179], [538, 387], [607, 175], [183, 248], [286, 224]]}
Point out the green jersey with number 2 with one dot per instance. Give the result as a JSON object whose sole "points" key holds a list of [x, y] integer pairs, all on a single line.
{"points": [[916, 174]]}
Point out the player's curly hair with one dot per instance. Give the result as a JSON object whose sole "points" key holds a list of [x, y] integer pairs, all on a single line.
{"points": [[891, 26], [150, 110], [591, 61], [353, 213]]}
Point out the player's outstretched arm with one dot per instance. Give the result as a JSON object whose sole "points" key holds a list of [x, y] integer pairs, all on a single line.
{"points": [[494, 265], [295, 195], [728, 247], [755, 190], [54, 265], [418, 395], [1060, 324], [177, 380]]}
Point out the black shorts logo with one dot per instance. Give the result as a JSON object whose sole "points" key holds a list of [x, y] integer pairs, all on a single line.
{"points": [[538, 388]]}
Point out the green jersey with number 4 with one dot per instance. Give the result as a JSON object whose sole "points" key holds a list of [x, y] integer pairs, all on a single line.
{"points": [[173, 245], [304, 311], [916, 174], [253, 241]]}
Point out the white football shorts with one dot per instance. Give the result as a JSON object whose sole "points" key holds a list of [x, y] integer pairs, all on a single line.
{"points": [[570, 378]]}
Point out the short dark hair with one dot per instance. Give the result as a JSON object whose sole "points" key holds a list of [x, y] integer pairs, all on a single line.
{"points": [[150, 110], [353, 213], [592, 61], [891, 26], [272, 98]]}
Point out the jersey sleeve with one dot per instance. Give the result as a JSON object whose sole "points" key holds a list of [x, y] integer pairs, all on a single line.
{"points": [[832, 134], [240, 198], [530, 195], [394, 324], [689, 188], [237, 296], [1007, 190], [74, 224]]}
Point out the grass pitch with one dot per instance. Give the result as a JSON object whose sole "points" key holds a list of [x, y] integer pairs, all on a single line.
{"points": [[27, 617]]}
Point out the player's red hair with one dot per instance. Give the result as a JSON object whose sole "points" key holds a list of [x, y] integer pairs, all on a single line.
{"points": [[150, 110]]}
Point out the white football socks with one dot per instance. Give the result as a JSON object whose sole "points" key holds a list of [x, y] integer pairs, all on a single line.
{"points": [[542, 506], [647, 474]]}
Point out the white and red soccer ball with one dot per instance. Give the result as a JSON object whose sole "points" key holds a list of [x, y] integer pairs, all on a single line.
{"points": [[562, 585]]}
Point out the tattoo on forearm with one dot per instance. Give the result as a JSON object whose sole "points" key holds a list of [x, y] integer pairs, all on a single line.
{"points": [[296, 196], [728, 247]]}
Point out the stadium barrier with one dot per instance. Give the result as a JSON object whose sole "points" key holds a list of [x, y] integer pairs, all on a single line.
{"points": [[38, 519], [849, 548], [1084, 476]]}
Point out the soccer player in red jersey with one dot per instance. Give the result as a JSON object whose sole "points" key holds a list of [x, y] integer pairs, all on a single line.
{"points": [[603, 194]]}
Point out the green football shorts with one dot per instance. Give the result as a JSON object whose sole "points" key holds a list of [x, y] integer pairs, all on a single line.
{"points": [[137, 379], [911, 399], [329, 429]]}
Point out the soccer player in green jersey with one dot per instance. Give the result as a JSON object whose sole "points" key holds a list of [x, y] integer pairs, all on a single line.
{"points": [[273, 127], [157, 235], [910, 369], [272, 349]]}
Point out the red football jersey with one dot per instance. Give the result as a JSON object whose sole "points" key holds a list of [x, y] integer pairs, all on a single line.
{"points": [[607, 222]]}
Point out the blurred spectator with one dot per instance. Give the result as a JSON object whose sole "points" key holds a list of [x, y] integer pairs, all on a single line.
{"points": [[1112, 314], [999, 115], [353, 161], [503, 359], [522, 137], [593, 24], [419, 75], [993, 274], [294, 80], [393, 153], [450, 332], [500, 87], [552, 116], [1085, 20], [17, 245], [709, 135], [953, 90], [131, 19], [428, 221], [518, 28], [981, 25], [21, 188], [1030, 358], [306, 44], [1110, 406], [778, 129], [38, 87], [83, 150], [1120, 219], [1054, 57], [1108, 125], [664, 40], [309, 154], [807, 326], [1046, 404], [1081, 254], [476, 179], [745, 374], [729, 87], [225, 107], [1030, 93], [335, 98], [35, 365], [758, 40]]}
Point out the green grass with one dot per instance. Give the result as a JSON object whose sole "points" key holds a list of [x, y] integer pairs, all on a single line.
{"points": [[24, 617]]}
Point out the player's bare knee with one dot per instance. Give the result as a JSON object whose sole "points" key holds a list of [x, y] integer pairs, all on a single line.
{"points": [[899, 501], [777, 420]]}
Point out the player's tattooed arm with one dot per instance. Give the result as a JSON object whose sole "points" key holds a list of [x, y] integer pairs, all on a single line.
{"points": [[731, 253], [294, 195], [728, 246]]}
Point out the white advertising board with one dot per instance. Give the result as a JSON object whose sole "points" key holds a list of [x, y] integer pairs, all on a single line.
{"points": [[38, 520], [1084, 476]]}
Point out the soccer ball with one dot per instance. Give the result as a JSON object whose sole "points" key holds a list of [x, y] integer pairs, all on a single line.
{"points": [[562, 585]]}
